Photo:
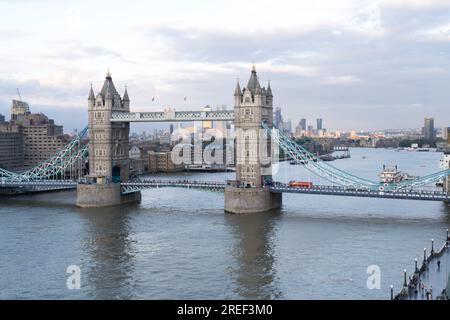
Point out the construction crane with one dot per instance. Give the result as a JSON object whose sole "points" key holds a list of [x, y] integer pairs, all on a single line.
{"points": [[18, 93]]}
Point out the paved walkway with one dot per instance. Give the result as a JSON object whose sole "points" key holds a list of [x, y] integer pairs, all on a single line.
{"points": [[433, 277]]}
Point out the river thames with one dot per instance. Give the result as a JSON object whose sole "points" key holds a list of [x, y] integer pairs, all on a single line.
{"points": [[179, 244]]}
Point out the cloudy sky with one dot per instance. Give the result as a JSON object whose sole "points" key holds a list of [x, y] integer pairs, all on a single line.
{"points": [[370, 64]]}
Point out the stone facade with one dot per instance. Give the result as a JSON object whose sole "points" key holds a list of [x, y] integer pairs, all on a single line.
{"points": [[249, 193], [109, 161], [103, 195], [242, 200], [253, 105], [108, 141]]}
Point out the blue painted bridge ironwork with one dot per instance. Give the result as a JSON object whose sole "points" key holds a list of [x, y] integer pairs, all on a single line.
{"points": [[277, 187], [366, 193], [133, 186], [46, 175]]}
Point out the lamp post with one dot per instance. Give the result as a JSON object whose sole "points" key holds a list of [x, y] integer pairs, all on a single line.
{"points": [[415, 265], [405, 284], [392, 292], [432, 246], [424, 255]]}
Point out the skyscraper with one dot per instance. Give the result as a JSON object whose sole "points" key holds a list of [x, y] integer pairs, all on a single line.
{"points": [[19, 108], [319, 124], [428, 129], [277, 118], [287, 127], [302, 124]]}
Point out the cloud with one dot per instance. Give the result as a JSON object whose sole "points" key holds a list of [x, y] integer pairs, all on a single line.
{"points": [[342, 80], [78, 51], [341, 63], [415, 4], [440, 33]]}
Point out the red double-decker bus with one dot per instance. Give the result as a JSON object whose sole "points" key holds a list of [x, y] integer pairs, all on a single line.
{"points": [[300, 184]]}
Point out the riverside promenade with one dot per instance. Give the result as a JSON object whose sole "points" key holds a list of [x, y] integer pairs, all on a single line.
{"points": [[430, 280]]}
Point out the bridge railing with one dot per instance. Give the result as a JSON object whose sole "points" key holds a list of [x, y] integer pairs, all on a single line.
{"points": [[140, 184]]}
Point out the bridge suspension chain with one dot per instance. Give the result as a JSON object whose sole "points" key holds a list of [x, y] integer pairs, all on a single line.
{"points": [[56, 164], [420, 181], [316, 165], [332, 174]]}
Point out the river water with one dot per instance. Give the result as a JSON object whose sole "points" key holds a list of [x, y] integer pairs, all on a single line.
{"points": [[179, 244]]}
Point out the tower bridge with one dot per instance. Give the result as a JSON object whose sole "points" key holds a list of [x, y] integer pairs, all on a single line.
{"points": [[256, 145]]}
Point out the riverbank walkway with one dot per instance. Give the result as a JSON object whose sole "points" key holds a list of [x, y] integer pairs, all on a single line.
{"points": [[431, 280]]}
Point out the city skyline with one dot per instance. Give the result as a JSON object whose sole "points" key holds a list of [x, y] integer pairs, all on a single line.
{"points": [[354, 64], [225, 150]]}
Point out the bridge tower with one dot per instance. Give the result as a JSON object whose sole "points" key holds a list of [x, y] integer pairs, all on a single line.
{"points": [[108, 149], [249, 193]]}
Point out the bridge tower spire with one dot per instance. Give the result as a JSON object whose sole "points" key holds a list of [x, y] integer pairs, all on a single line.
{"points": [[249, 192]]}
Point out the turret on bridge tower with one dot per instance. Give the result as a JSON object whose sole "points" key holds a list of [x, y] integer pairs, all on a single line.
{"points": [[249, 193]]}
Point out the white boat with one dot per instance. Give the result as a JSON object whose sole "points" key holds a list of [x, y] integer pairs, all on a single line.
{"points": [[390, 175]]}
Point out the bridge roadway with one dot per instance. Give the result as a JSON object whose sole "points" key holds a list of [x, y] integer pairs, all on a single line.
{"points": [[277, 187], [133, 186], [367, 193], [37, 186]]}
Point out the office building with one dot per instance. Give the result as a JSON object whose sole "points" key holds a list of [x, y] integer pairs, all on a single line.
{"points": [[11, 146], [446, 135], [41, 137], [319, 124], [302, 124], [19, 108], [428, 129], [277, 118], [162, 162]]}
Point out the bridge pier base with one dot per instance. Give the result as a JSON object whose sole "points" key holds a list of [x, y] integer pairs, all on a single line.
{"points": [[250, 200], [103, 195]]}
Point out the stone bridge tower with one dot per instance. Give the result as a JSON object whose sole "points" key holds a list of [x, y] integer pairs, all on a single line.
{"points": [[108, 141], [249, 193], [108, 149]]}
